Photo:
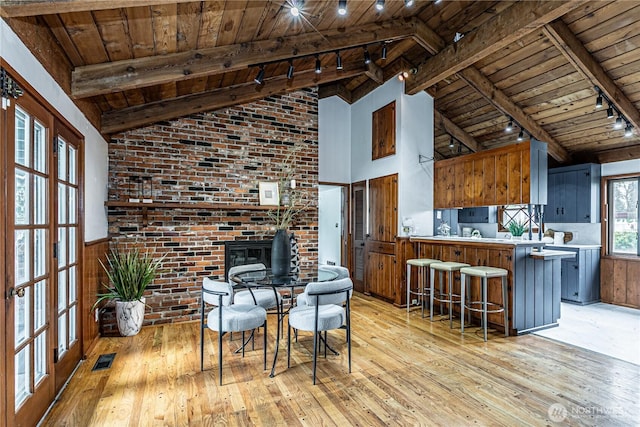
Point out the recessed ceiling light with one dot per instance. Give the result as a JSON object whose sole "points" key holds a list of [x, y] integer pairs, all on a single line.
{"points": [[379, 4]]}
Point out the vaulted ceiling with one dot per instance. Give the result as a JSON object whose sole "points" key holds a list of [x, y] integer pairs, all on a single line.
{"points": [[540, 64]]}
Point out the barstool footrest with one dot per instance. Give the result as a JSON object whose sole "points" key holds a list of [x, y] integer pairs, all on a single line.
{"points": [[469, 307]]}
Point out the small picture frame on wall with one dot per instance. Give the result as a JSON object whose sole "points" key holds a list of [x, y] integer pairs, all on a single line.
{"points": [[269, 194]]}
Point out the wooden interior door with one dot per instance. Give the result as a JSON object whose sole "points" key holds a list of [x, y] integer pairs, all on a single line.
{"points": [[359, 233]]}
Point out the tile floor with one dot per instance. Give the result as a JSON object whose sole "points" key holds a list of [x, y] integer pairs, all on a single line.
{"points": [[603, 328]]}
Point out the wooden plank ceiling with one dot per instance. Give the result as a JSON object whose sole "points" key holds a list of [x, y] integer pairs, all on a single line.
{"points": [[539, 64]]}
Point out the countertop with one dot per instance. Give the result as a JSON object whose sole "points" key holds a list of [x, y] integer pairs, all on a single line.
{"points": [[551, 254], [485, 240], [573, 246]]}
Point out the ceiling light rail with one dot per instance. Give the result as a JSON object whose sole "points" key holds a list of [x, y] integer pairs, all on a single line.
{"points": [[259, 79], [621, 122]]}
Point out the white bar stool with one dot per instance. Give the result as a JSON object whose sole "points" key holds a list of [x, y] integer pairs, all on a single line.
{"points": [[421, 292], [448, 297], [485, 273]]}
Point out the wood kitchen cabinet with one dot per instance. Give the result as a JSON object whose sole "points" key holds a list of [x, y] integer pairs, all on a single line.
{"points": [[574, 194], [381, 270], [515, 174], [383, 142], [383, 213]]}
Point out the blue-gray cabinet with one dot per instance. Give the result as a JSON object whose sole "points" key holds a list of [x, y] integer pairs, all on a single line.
{"points": [[580, 281], [484, 214], [573, 194]]}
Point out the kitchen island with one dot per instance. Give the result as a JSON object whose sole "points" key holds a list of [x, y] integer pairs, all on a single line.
{"points": [[534, 275]]}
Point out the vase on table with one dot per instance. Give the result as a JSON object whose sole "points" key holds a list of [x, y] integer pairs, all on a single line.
{"points": [[281, 253]]}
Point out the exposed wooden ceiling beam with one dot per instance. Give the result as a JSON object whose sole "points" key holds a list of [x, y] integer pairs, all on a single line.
{"points": [[497, 33], [96, 79], [577, 55], [619, 154], [458, 133], [495, 96], [500, 100], [17, 9], [140, 115], [374, 72]]}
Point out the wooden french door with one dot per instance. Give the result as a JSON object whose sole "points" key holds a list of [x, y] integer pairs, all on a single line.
{"points": [[41, 212]]}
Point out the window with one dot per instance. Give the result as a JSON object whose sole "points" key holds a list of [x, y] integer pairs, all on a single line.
{"points": [[518, 214], [622, 216]]}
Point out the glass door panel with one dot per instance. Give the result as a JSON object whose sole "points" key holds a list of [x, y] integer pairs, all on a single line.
{"points": [[28, 235]]}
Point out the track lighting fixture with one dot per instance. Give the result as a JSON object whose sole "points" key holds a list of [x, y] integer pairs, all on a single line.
{"points": [[521, 135], [628, 131], [384, 51], [379, 4], [618, 124], [459, 148], [403, 75], [610, 112], [342, 7], [338, 61], [509, 127], [409, 3], [260, 77], [367, 57], [296, 5], [599, 101], [318, 65], [451, 143], [290, 70]]}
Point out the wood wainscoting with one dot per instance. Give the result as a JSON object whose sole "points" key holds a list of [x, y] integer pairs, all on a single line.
{"points": [[92, 280], [620, 281]]}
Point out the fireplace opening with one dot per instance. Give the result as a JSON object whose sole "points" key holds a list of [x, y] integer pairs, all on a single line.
{"points": [[243, 252]]}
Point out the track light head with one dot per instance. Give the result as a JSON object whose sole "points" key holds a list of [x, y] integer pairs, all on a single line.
{"points": [[409, 3], [338, 61], [451, 143], [403, 75], [384, 51], [618, 124], [610, 112], [599, 101], [260, 77], [318, 65], [509, 127], [379, 4], [290, 70], [521, 135], [342, 7], [628, 131], [367, 57]]}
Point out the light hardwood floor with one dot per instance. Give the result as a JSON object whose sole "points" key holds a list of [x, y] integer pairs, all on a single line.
{"points": [[406, 371]]}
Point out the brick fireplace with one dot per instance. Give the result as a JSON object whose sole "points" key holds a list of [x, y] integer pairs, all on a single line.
{"points": [[216, 157]]}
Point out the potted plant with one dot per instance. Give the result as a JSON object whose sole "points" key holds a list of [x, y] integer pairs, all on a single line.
{"points": [[129, 274], [517, 228]]}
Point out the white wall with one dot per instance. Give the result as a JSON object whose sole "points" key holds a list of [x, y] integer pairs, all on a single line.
{"points": [[620, 168], [414, 136], [334, 134], [329, 224], [16, 54]]}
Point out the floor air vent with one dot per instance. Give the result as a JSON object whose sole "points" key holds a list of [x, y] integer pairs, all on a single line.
{"points": [[104, 362]]}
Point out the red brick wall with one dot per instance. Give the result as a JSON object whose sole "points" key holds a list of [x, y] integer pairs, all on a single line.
{"points": [[217, 157]]}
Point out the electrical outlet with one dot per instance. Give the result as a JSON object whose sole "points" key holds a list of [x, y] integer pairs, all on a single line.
{"points": [[414, 301]]}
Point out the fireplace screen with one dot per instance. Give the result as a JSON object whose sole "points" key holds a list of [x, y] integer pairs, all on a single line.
{"points": [[246, 252]]}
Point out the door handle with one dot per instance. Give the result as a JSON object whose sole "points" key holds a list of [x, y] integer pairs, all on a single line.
{"points": [[13, 292]]}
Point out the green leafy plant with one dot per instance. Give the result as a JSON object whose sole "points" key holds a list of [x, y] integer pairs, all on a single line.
{"points": [[129, 274], [517, 228]]}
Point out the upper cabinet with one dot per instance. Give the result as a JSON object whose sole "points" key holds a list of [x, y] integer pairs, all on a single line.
{"points": [[574, 194], [383, 141], [515, 174]]}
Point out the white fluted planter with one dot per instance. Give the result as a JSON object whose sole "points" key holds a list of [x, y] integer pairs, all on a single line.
{"points": [[130, 315]]}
